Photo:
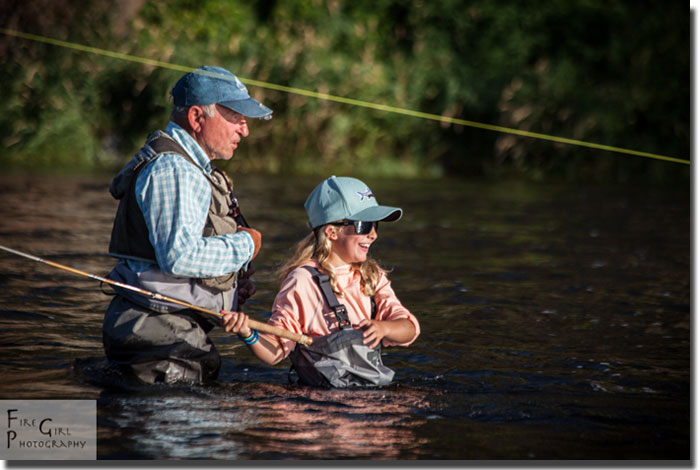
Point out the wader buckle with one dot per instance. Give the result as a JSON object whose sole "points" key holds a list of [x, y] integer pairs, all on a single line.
{"points": [[342, 315]]}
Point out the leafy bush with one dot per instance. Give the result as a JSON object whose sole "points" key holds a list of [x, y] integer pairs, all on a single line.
{"points": [[610, 72]]}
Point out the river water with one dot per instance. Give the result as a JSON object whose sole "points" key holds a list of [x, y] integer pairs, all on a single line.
{"points": [[555, 318]]}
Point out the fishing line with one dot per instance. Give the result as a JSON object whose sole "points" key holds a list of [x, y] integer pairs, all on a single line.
{"points": [[264, 327], [350, 101]]}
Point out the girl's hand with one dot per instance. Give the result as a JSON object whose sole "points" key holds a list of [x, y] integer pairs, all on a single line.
{"points": [[373, 331], [236, 322]]}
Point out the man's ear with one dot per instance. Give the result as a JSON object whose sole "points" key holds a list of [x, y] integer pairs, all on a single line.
{"points": [[195, 116]]}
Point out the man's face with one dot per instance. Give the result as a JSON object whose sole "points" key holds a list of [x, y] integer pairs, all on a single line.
{"points": [[221, 133]]}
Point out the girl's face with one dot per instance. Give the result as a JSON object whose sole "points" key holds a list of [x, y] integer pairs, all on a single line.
{"points": [[346, 246]]}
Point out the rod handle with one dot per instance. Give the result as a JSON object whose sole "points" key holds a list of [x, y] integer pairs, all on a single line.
{"points": [[273, 330]]}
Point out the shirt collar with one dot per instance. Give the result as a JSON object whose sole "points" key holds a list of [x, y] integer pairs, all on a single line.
{"points": [[342, 269], [188, 143]]}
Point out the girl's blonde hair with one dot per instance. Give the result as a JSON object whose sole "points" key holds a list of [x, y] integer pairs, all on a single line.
{"points": [[317, 246]]}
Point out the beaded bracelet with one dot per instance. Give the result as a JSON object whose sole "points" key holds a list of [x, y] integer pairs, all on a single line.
{"points": [[252, 339]]}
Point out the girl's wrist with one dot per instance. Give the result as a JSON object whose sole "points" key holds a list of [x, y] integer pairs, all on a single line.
{"points": [[250, 339], [242, 334]]}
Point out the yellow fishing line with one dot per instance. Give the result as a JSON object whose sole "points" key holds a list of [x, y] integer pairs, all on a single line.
{"points": [[350, 101]]}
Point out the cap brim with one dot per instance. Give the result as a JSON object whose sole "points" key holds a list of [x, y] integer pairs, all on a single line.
{"points": [[378, 214], [249, 108]]}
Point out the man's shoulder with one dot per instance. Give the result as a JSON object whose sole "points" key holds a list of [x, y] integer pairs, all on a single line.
{"points": [[171, 171], [172, 163]]}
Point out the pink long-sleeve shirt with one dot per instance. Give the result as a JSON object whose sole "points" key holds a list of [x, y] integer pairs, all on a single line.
{"points": [[300, 307]]}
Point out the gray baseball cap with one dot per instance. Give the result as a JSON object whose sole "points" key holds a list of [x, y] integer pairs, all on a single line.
{"points": [[345, 198], [215, 85]]}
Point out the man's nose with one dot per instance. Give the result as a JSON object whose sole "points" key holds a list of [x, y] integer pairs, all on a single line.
{"points": [[244, 129]]}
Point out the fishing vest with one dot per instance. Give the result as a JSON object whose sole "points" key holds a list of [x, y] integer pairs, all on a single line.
{"points": [[130, 238], [339, 359]]}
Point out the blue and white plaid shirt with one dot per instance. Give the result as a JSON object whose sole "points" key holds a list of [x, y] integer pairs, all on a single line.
{"points": [[174, 197]]}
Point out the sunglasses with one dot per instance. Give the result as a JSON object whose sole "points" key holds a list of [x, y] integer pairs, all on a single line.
{"points": [[361, 227]]}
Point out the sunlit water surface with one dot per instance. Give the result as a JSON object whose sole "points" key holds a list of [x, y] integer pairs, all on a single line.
{"points": [[556, 325]]}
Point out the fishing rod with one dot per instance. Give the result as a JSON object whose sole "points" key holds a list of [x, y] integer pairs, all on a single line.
{"points": [[263, 327]]}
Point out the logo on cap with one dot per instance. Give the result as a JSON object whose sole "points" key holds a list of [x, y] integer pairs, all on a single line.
{"points": [[365, 194]]}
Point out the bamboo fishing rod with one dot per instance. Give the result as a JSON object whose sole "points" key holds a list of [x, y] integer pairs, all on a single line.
{"points": [[263, 327]]}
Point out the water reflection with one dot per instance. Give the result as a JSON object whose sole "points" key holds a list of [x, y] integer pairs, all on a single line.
{"points": [[376, 424], [267, 421]]}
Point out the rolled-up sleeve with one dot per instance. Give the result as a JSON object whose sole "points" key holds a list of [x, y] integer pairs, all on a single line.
{"points": [[389, 307]]}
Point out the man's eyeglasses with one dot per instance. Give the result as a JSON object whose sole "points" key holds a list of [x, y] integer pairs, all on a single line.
{"points": [[361, 227]]}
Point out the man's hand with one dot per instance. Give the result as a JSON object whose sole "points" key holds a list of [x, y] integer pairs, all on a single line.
{"points": [[246, 286], [256, 236]]}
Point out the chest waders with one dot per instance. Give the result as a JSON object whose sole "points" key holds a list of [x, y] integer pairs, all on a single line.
{"points": [[339, 359], [154, 340]]}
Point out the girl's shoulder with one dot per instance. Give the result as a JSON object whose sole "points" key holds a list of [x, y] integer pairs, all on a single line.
{"points": [[299, 284], [300, 272], [382, 281]]}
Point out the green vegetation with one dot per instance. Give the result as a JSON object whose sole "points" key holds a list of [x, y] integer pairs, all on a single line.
{"points": [[610, 72]]}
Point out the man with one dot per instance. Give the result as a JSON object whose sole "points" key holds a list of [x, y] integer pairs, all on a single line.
{"points": [[178, 232]]}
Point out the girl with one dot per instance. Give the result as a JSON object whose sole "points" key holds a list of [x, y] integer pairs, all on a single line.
{"points": [[344, 218]]}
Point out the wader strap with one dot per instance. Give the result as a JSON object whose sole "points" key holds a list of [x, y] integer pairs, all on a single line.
{"points": [[324, 282], [163, 143]]}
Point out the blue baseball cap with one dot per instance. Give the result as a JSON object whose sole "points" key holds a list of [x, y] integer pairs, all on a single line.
{"points": [[214, 85], [344, 198]]}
